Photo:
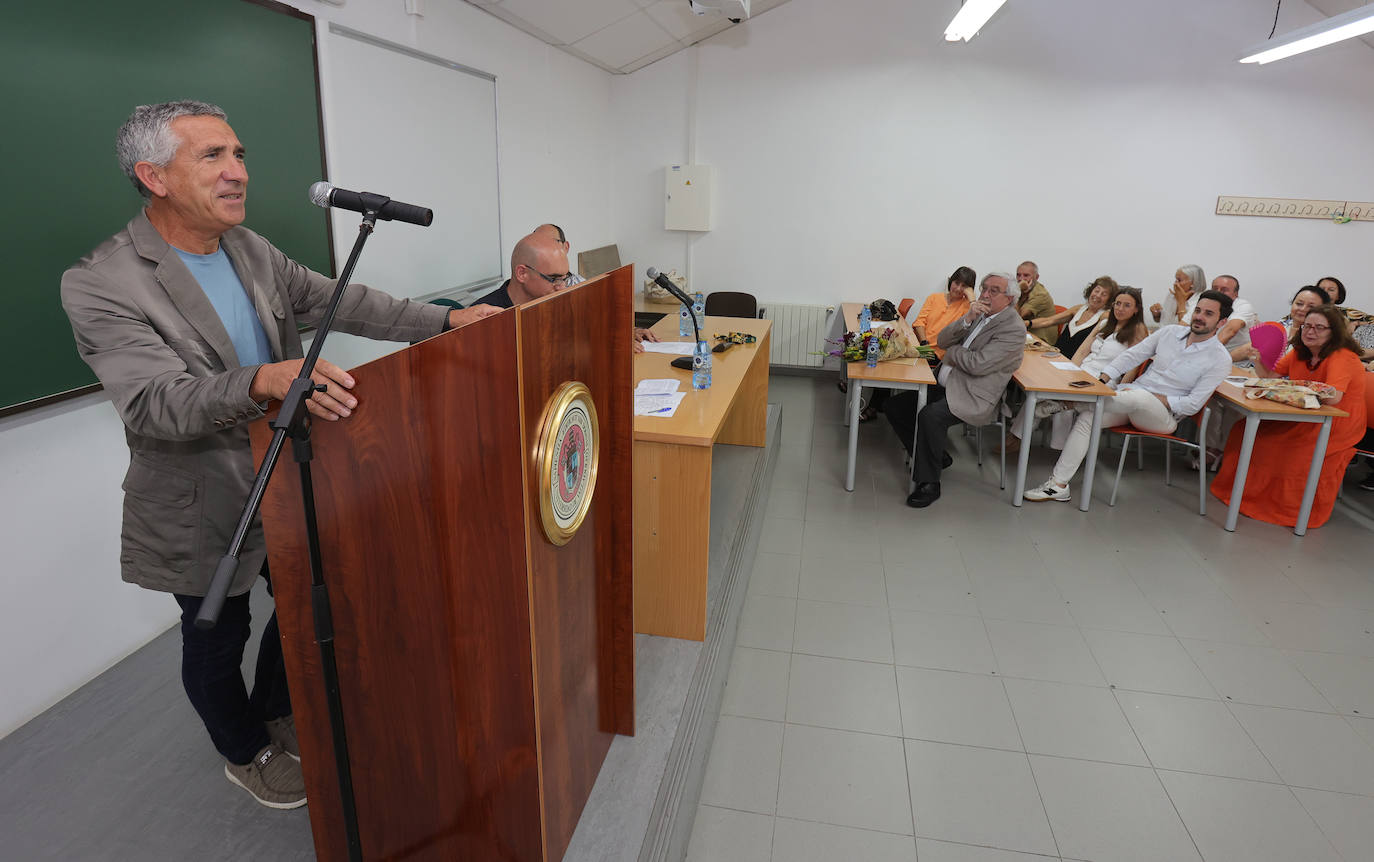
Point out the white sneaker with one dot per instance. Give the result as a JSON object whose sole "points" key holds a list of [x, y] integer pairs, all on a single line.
{"points": [[1048, 491]]}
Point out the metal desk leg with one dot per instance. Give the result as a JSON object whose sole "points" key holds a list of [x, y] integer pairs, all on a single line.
{"points": [[915, 432], [1089, 467], [856, 388], [1313, 474], [1242, 467], [1027, 423]]}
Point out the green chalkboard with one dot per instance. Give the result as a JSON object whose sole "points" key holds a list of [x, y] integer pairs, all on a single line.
{"points": [[74, 70]]}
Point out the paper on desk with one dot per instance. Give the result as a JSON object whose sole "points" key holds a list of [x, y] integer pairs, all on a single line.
{"points": [[677, 348], [658, 405], [659, 386], [1065, 366]]}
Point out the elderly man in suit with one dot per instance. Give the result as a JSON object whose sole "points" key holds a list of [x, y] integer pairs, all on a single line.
{"points": [[190, 322], [982, 350]]}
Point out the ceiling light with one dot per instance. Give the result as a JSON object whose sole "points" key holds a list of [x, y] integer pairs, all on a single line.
{"points": [[1356, 22], [970, 19]]}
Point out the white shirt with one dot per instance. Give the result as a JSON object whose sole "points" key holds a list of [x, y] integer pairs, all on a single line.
{"points": [[1101, 354], [1185, 374]]}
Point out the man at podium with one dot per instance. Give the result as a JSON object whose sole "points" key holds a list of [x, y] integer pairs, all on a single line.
{"points": [[191, 323]]}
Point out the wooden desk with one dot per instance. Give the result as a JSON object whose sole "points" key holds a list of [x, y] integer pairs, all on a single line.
{"points": [[672, 472], [1257, 409], [893, 374], [1041, 379]]}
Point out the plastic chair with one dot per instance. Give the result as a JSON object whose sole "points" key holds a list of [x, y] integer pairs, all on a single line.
{"points": [[1059, 309], [904, 306], [1001, 424], [1269, 338], [729, 303], [1129, 431]]}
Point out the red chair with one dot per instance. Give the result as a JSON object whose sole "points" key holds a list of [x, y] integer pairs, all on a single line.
{"points": [[1059, 309], [1129, 431], [904, 306]]}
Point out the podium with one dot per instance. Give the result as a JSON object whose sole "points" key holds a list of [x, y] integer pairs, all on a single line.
{"points": [[484, 669]]}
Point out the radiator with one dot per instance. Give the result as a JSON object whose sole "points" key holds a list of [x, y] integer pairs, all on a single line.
{"points": [[798, 333]]}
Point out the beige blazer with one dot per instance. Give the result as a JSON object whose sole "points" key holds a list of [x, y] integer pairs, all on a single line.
{"points": [[979, 372], [149, 332]]}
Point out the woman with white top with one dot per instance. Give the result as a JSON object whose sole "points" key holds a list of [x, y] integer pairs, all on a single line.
{"points": [[1188, 280], [1124, 329]]}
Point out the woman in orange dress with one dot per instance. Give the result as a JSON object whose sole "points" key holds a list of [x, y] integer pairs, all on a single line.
{"points": [[1323, 351]]}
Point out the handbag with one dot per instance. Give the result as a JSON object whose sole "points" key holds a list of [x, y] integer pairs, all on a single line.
{"points": [[654, 292]]}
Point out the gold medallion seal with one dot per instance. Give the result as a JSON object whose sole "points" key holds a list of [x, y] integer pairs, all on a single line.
{"points": [[567, 458]]}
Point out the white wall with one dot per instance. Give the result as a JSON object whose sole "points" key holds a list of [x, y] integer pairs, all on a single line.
{"points": [[858, 155], [66, 615]]}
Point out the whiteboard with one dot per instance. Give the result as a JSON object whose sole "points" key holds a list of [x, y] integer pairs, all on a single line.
{"points": [[419, 129]]}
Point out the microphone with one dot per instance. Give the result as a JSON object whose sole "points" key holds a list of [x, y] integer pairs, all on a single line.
{"points": [[325, 194], [666, 283]]}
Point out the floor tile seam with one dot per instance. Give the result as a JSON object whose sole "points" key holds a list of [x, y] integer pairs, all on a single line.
{"points": [[910, 835], [1321, 829], [1369, 658], [1039, 794], [1230, 701], [995, 847]]}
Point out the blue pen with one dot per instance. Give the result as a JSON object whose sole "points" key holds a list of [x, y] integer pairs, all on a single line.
{"points": [[660, 410]]}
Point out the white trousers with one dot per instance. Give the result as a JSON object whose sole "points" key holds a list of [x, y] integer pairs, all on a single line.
{"points": [[1136, 406]]}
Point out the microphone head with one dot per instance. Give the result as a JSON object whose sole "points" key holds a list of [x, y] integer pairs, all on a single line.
{"points": [[319, 193], [649, 273]]}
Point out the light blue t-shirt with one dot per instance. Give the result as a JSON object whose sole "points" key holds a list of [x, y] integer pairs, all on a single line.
{"points": [[221, 284]]}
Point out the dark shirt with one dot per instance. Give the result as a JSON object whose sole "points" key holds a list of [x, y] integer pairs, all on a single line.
{"points": [[500, 297]]}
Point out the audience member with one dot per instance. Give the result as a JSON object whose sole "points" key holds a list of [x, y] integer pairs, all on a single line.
{"points": [[941, 309], [1034, 301], [555, 233], [1361, 323], [1187, 279], [528, 280], [1306, 299], [1124, 329], [1188, 365], [982, 350], [1322, 351], [1334, 289], [1079, 321]]}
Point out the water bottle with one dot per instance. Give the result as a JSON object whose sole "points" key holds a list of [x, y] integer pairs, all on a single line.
{"points": [[699, 311], [865, 319], [684, 323], [874, 348], [701, 366]]}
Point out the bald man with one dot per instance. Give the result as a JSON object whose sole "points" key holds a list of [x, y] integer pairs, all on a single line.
{"points": [[538, 267], [555, 233]]}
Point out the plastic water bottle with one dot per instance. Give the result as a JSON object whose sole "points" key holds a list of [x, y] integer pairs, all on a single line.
{"points": [[874, 348], [684, 323], [865, 319], [699, 309], [701, 366]]}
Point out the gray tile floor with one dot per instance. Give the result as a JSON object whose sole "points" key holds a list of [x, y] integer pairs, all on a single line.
{"points": [[979, 683]]}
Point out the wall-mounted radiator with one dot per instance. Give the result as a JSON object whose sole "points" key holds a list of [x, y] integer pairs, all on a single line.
{"points": [[799, 332]]}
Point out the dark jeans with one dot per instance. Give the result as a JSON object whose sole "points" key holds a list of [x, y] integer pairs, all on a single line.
{"points": [[210, 671], [935, 421]]}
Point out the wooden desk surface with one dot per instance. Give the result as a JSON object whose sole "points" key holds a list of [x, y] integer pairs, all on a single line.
{"points": [[701, 415], [1038, 374], [912, 371], [1271, 409]]}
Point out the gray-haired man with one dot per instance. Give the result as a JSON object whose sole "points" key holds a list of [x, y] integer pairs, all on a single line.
{"points": [[190, 322]]}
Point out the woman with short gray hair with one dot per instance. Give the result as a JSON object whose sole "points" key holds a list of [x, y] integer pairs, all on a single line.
{"points": [[1188, 280]]}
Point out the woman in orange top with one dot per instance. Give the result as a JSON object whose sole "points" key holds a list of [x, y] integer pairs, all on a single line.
{"points": [[942, 309], [1322, 350]]}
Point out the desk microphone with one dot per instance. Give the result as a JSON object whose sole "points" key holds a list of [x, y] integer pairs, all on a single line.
{"points": [[324, 194], [666, 283]]}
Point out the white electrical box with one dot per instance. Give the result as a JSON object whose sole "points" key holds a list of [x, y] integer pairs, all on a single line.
{"points": [[688, 193]]}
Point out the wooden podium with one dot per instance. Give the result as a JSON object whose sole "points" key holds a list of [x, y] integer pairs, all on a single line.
{"points": [[483, 669]]}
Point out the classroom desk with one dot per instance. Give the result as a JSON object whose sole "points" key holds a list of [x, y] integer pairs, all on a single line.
{"points": [[672, 472], [1041, 379], [893, 374], [1257, 409]]}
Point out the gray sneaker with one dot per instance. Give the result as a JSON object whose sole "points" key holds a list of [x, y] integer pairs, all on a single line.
{"points": [[273, 778], [282, 731], [1048, 491]]}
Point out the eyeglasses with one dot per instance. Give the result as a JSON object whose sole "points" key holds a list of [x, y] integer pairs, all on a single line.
{"points": [[553, 279], [1313, 328]]}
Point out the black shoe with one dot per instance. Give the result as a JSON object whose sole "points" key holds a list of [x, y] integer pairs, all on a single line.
{"points": [[946, 461], [925, 494]]}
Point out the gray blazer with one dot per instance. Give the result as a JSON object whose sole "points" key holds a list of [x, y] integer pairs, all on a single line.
{"points": [[149, 332], [979, 372]]}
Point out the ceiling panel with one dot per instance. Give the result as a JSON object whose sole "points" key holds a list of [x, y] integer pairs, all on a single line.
{"points": [[565, 21], [626, 40]]}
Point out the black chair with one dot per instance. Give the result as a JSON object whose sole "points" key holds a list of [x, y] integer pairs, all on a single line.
{"points": [[730, 303]]}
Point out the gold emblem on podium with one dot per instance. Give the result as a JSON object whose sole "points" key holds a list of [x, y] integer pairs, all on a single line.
{"points": [[567, 459]]}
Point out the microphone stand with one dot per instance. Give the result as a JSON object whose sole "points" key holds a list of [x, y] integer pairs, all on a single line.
{"points": [[681, 297], [293, 421]]}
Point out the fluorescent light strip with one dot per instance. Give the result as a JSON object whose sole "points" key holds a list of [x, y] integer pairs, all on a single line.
{"points": [[1356, 22], [970, 19]]}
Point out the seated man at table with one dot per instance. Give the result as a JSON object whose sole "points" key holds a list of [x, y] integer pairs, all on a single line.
{"points": [[982, 350], [538, 267], [555, 233], [1035, 301], [1188, 365]]}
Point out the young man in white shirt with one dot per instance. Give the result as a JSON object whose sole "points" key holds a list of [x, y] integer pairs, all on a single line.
{"points": [[1189, 364]]}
